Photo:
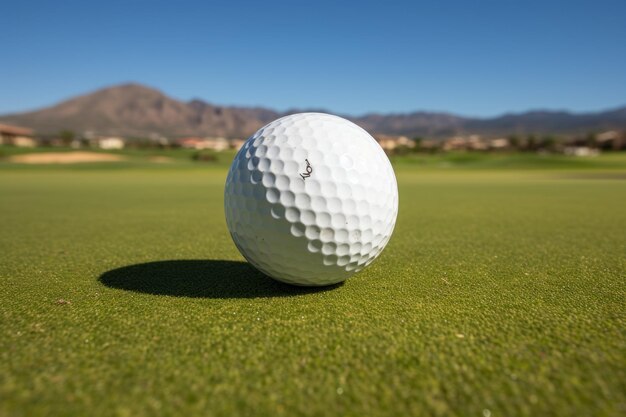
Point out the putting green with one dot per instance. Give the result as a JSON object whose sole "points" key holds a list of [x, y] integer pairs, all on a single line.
{"points": [[501, 293]]}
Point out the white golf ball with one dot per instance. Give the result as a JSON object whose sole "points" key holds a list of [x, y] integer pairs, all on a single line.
{"points": [[311, 199]]}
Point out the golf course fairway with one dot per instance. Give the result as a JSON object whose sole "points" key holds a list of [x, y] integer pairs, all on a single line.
{"points": [[501, 293]]}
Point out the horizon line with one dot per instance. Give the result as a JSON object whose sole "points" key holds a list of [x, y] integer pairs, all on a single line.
{"points": [[315, 109]]}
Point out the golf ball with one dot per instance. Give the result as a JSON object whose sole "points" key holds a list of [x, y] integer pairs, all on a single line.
{"points": [[311, 199]]}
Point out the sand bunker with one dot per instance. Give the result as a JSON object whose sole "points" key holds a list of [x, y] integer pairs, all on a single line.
{"points": [[65, 158], [160, 159]]}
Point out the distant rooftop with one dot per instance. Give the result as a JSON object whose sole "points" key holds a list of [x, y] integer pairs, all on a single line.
{"points": [[15, 130]]}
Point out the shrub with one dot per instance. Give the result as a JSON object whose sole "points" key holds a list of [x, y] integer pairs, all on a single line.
{"points": [[204, 157]]}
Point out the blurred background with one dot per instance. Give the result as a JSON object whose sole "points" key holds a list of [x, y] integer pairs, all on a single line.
{"points": [[425, 78]]}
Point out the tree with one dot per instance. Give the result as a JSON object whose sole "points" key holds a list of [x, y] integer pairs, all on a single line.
{"points": [[66, 136], [418, 143], [531, 143], [591, 140], [548, 142], [514, 141]]}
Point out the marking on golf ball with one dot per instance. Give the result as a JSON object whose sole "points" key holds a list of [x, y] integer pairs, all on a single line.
{"points": [[308, 170]]}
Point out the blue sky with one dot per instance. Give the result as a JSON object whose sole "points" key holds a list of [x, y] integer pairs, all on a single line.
{"points": [[472, 57]]}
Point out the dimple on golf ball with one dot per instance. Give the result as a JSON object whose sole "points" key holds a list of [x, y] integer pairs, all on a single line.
{"points": [[311, 199]]}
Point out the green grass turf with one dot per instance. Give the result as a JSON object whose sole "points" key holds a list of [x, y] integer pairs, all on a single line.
{"points": [[501, 293], [182, 158]]}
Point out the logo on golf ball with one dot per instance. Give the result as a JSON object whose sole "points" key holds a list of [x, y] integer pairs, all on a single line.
{"points": [[308, 170]]}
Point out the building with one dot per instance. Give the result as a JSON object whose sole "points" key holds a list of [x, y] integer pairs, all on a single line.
{"points": [[456, 143], [189, 143], [111, 143], [429, 145], [607, 136], [580, 151], [216, 144], [476, 143], [499, 144], [16, 136], [611, 140], [462, 143], [391, 143]]}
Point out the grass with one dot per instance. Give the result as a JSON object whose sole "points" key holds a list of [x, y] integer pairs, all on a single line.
{"points": [[183, 158], [512, 161], [501, 293]]}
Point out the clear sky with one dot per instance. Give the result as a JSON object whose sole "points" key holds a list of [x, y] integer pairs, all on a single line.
{"points": [[472, 57]]}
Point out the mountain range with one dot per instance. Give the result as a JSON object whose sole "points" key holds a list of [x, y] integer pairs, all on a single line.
{"points": [[134, 110]]}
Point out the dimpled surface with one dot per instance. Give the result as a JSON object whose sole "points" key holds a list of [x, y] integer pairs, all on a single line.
{"points": [[311, 199]]}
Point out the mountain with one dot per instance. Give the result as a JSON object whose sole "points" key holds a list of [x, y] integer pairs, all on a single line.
{"points": [[134, 110]]}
